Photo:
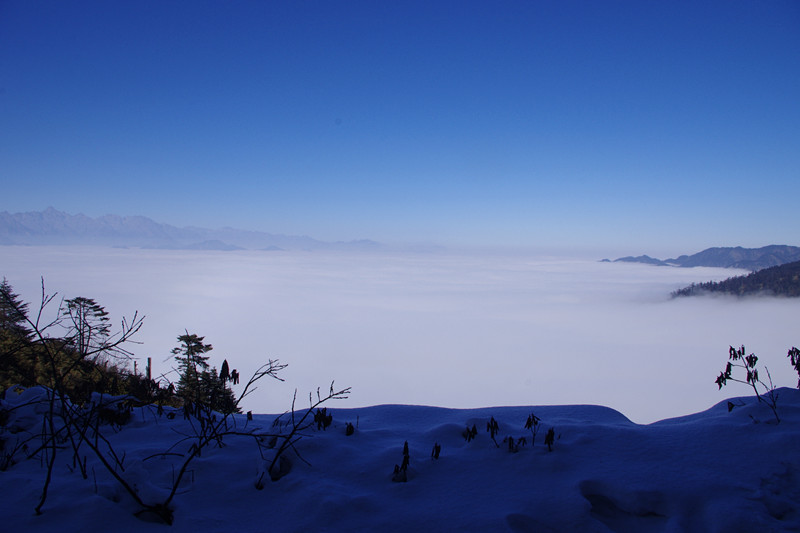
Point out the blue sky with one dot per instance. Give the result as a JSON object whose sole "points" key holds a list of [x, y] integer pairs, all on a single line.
{"points": [[645, 127]]}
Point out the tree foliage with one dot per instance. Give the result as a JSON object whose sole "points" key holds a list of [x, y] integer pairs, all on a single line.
{"points": [[75, 350], [13, 312], [88, 324], [191, 363], [200, 383], [782, 280], [17, 363]]}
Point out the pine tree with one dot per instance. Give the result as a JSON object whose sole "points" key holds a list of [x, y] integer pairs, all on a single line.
{"points": [[90, 327], [199, 382], [17, 360], [216, 394], [191, 363], [13, 311]]}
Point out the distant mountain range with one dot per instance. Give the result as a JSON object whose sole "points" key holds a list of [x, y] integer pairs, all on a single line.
{"points": [[55, 227], [738, 257], [783, 280]]}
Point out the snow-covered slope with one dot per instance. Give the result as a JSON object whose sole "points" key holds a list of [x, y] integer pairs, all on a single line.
{"points": [[712, 471]]}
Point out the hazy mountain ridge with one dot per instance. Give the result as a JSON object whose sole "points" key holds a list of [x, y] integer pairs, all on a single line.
{"points": [[727, 257], [782, 280], [55, 227]]}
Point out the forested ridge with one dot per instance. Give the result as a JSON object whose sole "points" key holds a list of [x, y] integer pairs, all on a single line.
{"points": [[782, 280]]}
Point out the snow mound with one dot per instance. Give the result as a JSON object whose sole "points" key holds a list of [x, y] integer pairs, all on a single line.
{"points": [[725, 469]]}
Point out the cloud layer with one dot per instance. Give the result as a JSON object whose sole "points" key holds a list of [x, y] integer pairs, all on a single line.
{"points": [[445, 329]]}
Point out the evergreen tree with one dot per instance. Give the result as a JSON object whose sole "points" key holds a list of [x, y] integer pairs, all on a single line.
{"points": [[17, 360], [225, 371], [189, 355], [89, 325], [74, 360], [216, 394], [87, 356], [199, 382], [13, 311]]}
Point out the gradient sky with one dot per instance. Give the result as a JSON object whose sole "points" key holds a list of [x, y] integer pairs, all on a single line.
{"points": [[648, 127]]}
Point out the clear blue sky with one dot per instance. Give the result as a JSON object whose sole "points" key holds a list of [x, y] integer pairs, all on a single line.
{"points": [[642, 125]]}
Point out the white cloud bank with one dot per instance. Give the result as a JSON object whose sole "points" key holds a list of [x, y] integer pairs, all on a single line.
{"points": [[450, 330]]}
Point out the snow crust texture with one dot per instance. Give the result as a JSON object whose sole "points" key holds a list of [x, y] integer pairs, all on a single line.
{"points": [[715, 471]]}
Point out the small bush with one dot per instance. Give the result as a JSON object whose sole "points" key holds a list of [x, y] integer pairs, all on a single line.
{"points": [[748, 363]]}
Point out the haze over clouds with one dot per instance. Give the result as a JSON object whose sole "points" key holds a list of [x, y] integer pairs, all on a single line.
{"points": [[445, 329]]}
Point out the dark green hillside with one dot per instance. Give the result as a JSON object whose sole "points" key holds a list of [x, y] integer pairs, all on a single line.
{"points": [[783, 280]]}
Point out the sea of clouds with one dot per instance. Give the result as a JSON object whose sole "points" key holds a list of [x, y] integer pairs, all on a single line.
{"points": [[451, 329]]}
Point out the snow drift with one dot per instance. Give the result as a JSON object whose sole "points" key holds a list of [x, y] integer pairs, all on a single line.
{"points": [[730, 468]]}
